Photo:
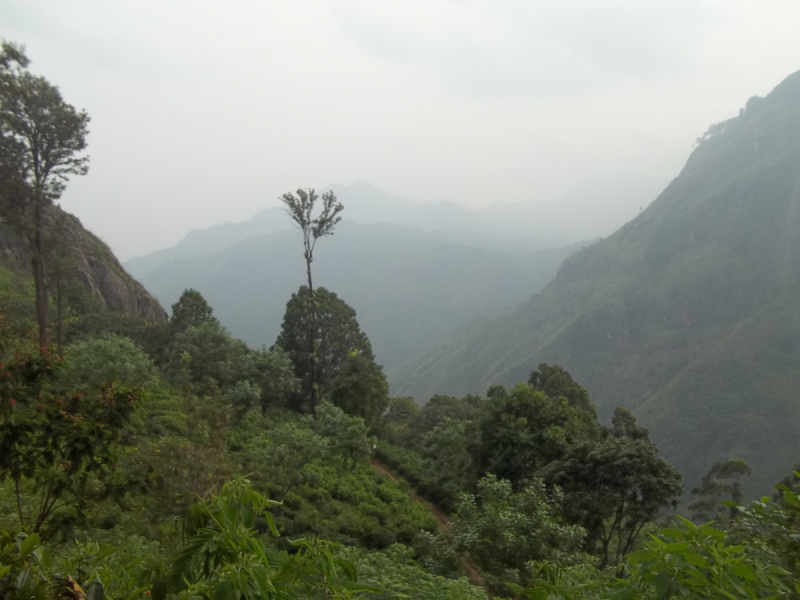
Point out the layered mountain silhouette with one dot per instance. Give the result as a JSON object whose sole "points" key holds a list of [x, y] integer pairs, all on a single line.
{"points": [[410, 288], [594, 209], [689, 315], [414, 271]]}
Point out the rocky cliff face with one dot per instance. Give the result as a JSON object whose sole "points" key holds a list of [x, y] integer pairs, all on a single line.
{"points": [[90, 261]]}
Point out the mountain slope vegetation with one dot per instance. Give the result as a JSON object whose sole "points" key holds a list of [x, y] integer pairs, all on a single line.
{"points": [[687, 315]]}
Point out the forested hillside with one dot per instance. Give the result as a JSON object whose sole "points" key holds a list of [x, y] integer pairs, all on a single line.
{"points": [[687, 315], [410, 288]]}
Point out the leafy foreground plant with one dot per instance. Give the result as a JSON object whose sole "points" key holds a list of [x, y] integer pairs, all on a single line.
{"points": [[225, 555], [57, 442], [690, 561], [226, 558]]}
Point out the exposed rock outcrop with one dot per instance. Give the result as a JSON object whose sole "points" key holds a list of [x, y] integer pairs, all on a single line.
{"points": [[92, 262]]}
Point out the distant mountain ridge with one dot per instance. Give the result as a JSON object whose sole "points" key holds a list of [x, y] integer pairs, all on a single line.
{"points": [[689, 314], [410, 288], [591, 211]]}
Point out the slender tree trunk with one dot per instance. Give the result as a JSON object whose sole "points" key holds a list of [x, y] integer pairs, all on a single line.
{"points": [[39, 280], [312, 345], [60, 308], [19, 503]]}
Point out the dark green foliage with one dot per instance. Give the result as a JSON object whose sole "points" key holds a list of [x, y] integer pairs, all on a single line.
{"points": [[438, 438], [441, 407], [58, 442], [319, 470], [347, 434], [242, 396], [789, 481], [623, 424], [451, 469], [395, 572], [153, 338], [722, 482], [613, 488], [556, 383], [398, 420], [413, 468], [191, 310], [337, 336], [360, 389], [526, 430]]}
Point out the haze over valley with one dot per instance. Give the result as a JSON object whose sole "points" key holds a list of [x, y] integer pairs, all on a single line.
{"points": [[413, 271], [443, 300]]}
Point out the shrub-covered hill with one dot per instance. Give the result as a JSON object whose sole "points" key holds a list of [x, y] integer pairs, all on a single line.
{"points": [[689, 314]]}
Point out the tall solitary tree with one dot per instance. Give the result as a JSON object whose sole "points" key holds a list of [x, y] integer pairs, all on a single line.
{"points": [[41, 143], [301, 210]]}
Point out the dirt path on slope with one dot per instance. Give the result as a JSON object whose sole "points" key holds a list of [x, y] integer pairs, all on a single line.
{"points": [[441, 516], [468, 565]]}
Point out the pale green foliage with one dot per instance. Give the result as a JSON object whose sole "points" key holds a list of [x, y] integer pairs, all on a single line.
{"points": [[273, 372], [96, 362], [395, 572], [347, 435], [242, 396], [776, 525], [226, 558], [698, 561], [278, 454], [30, 570], [504, 531], [551, 581]]}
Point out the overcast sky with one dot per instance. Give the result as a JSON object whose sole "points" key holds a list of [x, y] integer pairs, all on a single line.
{"points": [[206, 111]]}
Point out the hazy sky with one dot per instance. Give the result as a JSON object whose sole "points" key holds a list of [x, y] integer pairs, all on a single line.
{"points": [[206, 111]]}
